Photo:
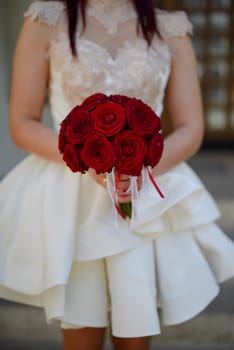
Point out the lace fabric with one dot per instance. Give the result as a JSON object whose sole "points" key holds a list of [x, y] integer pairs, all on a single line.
{"points": [[46, 12], [110, 13], [174, 23], [134, 71]]}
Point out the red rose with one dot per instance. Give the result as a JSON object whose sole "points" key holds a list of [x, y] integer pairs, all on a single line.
{"points": [[130, 150], [142, 118], [109, 118], [91, 102], [98, 153], [121, 99], [62, 140], [72, 158], [79, 125], [155, 149]]}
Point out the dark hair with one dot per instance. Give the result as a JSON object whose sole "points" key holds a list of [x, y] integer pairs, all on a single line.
{"points": [[144, 8]]}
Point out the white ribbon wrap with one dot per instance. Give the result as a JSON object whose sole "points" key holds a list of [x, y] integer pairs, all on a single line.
{"points": [[137, 210]]}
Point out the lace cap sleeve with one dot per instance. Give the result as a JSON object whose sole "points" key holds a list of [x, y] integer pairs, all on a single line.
{"points": [[174, 23], [47, 12]]}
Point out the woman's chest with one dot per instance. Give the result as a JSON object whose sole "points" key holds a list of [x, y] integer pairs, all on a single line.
{"points": [[134, 69]]}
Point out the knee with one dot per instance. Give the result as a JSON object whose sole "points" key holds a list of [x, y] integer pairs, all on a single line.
{"points": [[139, 343]]}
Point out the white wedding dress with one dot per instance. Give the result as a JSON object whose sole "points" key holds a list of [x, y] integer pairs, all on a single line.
{"points": [[60, 246]]}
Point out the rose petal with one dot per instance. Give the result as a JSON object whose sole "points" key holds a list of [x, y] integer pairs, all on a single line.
{"points": [[109, 118], [98, 153], [142, 118]]}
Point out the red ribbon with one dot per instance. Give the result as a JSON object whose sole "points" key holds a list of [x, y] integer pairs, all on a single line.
{"points": [[155, 184], [117, 180]]}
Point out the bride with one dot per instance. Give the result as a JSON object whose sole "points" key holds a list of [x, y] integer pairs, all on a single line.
{"points": [[57, 246]]}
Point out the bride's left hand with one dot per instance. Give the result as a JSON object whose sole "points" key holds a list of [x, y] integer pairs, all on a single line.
{"points": [[124, 196], [99, 178]]}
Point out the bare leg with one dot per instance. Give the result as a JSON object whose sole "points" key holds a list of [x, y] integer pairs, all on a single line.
{"points": [[84, 339], [141, 343]]}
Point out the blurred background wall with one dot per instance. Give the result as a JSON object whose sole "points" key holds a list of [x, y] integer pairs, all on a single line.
{"points": [[213, 39]]}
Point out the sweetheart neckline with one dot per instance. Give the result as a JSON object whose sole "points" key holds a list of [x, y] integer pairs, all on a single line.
{"points": [[112, 57]]}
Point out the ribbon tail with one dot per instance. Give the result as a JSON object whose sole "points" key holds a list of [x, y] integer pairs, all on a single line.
{"points": [[134, 196], [111, 188], [117, 206], [154, 183]]}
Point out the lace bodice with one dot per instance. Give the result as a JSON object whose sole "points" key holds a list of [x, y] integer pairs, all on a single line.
{"points": [[103, 10], [112, 57]]}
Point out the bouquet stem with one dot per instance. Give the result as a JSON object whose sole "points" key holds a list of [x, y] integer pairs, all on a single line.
{"points": [[126, 209]]}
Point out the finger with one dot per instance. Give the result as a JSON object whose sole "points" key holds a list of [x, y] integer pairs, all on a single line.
{"points": [[123, 188], [104, 181], [124, 182], [123, 194], [124, 199], [124, 177]]}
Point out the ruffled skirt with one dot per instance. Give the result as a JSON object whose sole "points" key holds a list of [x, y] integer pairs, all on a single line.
{"points": [[62, 249]]}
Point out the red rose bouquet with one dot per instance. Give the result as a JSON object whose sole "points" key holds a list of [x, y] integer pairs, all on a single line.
{"points": [[112, 133]]}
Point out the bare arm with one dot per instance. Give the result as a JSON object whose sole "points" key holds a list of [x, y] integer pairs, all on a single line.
{"points": [[184, 104], [29, 84]]}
